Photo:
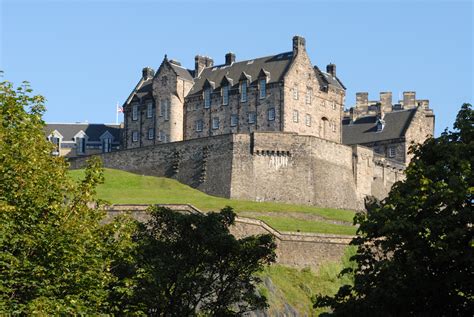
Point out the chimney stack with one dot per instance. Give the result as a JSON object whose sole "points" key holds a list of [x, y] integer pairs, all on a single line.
{"points": [[229, 58], [362, 99], [331, 69], [147, 73], [386, 101], [201, 62], [299, 44], [409, 99]]}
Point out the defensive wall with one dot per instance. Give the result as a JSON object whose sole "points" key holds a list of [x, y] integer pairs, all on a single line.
{"points": [[294, 249], [266, 166]]}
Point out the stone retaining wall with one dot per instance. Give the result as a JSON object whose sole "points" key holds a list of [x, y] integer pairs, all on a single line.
{"points": [[294, 249]]}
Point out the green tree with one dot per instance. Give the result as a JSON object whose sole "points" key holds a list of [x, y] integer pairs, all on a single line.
{"points": [[55, 256], [415, 248], [189, 264]]}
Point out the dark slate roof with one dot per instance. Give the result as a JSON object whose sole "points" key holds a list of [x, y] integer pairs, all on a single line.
{"points": [[181, 72], [145, 88], [364, 129], [92, 130], [326, 79], [276, 65]]}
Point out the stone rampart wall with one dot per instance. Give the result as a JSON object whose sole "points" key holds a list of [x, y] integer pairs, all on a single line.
{"points": [[294, 249], [266, 166]]}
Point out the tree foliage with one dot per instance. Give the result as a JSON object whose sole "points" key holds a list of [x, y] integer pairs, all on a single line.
{"points": [[55, 256], [189, 264], [415, 248]]}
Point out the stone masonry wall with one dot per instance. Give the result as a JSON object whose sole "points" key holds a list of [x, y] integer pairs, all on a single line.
{"points": [[266, 166], [294, 249], [308, 110], [204, 163]]}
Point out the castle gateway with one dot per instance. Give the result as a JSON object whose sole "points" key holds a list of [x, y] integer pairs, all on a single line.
{"points": [[268, 129]]}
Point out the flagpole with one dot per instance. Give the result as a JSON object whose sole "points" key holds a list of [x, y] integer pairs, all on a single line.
{"points": [[116, 113]]}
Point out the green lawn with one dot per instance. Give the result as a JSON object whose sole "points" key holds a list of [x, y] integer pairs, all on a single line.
{"points": [[126, 188], [297, 287]]}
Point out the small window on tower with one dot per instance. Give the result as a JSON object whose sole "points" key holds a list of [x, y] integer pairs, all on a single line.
{"points": [[215, 123], [271, 114], [234, 120], [392, 152]]}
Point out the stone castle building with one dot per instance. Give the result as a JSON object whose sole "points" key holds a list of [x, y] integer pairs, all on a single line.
{"points": [[267, 129]]}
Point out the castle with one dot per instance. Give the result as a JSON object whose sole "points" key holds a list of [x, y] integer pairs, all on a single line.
{"points": [[268, 129]]}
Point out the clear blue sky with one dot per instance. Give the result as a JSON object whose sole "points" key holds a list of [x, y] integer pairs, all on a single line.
{"points": [[85, 56]]}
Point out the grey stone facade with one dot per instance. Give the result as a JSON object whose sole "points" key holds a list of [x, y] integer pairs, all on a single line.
{"points": [[268, 129], [389, 129], [266, 166], [282, 93]]}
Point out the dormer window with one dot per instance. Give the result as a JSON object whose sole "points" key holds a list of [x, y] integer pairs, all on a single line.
{"points": [[263, 88], [81, 145], [225, 95], [380, 125], [207, 98], [135, 112], [243, 91], [106, 145]]}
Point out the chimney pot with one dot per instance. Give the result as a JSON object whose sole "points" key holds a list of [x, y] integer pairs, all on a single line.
{"points": [[331, 69], [147, 73], [229, 58]]}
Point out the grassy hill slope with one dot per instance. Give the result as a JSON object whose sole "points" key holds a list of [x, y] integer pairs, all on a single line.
{"points": [[126, 188]]}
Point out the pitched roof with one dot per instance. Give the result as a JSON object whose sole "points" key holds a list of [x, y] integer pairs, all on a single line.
{"points": [[364, 129], [181, 71], [326, 79], [275, 65], [92, 130], [144, 89]]}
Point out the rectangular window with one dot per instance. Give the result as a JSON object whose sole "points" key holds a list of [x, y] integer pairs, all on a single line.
{"points": [[225, 95], [135, 112], [263, 88], [334, 127], [252, 117], [333, 105], [309, 95], [295, 116], [56, 142], [135, 136], [243, 91], [207, 98], [167, 110], [215, 123], [151, 133], [308, 120], [295, 92], [81, 145], [234, 120], [106, 145], [392, 151], [149, 109], [160, 135], [199, 125], [271, 114]]}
